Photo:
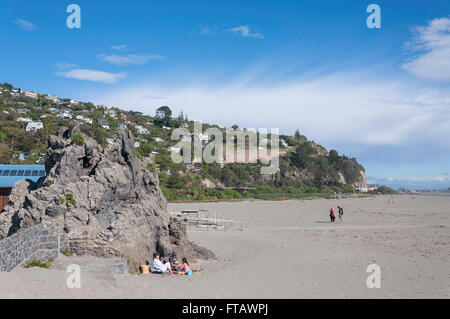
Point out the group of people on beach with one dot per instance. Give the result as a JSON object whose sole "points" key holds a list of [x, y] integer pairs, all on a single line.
{"points": [[172, 267], [341, 215]]}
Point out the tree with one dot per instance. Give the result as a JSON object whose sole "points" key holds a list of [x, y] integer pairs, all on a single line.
{"points": [[163, 115], [333, 156], [5, 154]]}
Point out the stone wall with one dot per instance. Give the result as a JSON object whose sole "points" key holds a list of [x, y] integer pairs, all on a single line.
{"points": [[35, 243]]}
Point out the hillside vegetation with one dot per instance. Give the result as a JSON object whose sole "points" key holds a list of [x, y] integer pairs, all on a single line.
{"points": [[306, 168]]}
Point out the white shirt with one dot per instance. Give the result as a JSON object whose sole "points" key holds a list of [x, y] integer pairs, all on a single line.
{"points": [[159, 266]]}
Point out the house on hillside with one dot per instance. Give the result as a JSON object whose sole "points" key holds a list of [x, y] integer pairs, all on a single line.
{"points": [[24, 119], [34, 126], [158, 139], [31, 94], [52, 98], [142, 130], [174, 149], [65, 115]]}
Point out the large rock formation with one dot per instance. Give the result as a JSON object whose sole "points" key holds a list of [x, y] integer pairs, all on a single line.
{"points": [[107, 202]]}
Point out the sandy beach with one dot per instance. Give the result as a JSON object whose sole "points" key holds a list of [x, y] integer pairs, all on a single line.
{"points": [[287, 250]]}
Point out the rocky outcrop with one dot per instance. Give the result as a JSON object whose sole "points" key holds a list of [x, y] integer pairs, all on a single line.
{"points": [[106, 201]]}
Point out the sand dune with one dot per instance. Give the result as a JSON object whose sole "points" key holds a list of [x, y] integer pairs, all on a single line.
{"points": [[288, 250]]}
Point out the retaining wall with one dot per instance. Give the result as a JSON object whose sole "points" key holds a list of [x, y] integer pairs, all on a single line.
{"points": [[35, 243]]}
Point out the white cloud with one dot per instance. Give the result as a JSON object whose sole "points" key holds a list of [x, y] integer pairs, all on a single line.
{"points": [[92, 75], [25, 25], [120, 47], [334, 109], [244, 31], [433, 45], [130, 59], [66, 66]]}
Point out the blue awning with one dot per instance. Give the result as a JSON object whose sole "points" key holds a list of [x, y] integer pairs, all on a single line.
{"points": [[10, 174]]}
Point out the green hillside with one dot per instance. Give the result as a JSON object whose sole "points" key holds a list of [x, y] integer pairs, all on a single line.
{"points": [[306, 168]]}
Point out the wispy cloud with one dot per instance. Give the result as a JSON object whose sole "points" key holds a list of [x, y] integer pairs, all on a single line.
{"points": [[25, 25], [244, 31], [65, 66], [120, 47], [432, 42], [92, 75], [129, 59]]}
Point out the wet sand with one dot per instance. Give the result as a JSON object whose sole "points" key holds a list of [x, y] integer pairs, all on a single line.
{"points": [[288, 250]]}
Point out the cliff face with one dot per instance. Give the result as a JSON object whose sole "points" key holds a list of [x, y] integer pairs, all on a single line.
{"points": [[107, 202]]}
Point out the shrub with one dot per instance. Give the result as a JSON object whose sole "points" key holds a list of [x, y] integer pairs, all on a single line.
{"points": [[78, 139], [38, 263], [67, 253], [70, 200], [48, 183]]}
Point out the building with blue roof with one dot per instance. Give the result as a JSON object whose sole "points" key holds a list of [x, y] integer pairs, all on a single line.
{"points": [[10, 174]]}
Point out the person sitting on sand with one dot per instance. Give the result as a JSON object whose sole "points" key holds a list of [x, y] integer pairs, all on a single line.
{"points": [[186, 269], [174, 262], [332, 217], [341, 214], [159, 267]]}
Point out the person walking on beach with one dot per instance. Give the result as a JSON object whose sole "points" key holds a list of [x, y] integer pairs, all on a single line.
{"points": [[341, 214], [159, 267], [332, 217]]}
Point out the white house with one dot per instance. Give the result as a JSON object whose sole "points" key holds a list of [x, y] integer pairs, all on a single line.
{"points": [[73, 102], [34, 126], [202, 137], [106, 126], [158, 139], [137, 144], [24, 119], [31, 94], [65, 116], [174, 149], [52, 97], [142, 130], [111, 113]]}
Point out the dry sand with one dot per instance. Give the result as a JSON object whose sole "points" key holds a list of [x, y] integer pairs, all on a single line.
{"points": [[288, 250]]}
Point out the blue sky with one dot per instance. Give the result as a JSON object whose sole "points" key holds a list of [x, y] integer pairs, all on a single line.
{"points": [[380, 95]]}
